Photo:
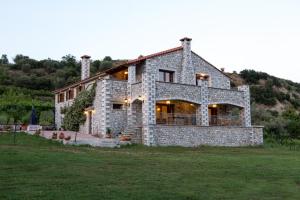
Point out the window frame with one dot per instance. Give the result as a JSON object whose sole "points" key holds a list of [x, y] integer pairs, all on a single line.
{"points": [[203, 77], [165, 73], [119, 104]]}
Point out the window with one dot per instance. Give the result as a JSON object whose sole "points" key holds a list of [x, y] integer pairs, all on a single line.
{"points": [[117, 106], [70, 94], [61, 97], [201, 77], [166, 76]]}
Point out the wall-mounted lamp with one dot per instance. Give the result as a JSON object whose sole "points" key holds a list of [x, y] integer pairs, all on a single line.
{"points": [[214, 105], [168, 102], [86, 112], [125, 72], [140, 98]]}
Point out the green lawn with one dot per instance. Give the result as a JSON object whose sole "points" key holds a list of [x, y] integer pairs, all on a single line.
{"points": [[36, 168]]}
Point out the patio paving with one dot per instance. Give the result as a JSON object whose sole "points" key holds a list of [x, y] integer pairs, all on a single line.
{"points": [[83, 139]]}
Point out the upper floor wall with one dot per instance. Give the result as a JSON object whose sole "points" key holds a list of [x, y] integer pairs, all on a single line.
{"points": [[216, 78], [169, 68]]}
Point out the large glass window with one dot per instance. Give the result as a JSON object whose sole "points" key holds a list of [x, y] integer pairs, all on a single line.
{"points": [[166, 76]]}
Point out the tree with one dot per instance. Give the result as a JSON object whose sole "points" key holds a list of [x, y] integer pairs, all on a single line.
{"points": [[4, 59], [107, 58], [95, 67], [46, 118], [19, 58]]}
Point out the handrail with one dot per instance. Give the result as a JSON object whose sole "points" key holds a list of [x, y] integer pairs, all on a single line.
{"points": [[176, 118]]}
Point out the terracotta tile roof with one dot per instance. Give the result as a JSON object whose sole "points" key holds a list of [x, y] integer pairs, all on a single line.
{"points": [[125, 64], [141, 58]]}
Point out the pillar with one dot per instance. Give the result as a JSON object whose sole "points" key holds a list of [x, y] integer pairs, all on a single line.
{"points": [[130, 107], [246, 111], [204, 106], [105, 104], [148, 107]]}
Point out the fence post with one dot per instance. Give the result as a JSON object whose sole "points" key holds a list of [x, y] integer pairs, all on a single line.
{"points": [[14, 134]]}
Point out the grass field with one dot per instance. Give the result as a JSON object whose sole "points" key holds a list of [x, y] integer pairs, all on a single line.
{"points": [[36, 168]]}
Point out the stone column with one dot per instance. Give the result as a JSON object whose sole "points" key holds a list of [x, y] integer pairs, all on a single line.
{"points": [[130, 107], [148, 107], [204, 106], [246, 111], [198, 116], [105, 105]]}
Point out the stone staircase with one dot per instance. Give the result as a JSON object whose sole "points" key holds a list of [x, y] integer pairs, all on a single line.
{"points": [[136, 134]]}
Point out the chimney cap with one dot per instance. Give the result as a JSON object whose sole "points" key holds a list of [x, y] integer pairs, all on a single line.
{"points": [[185, 38], [85, 56]]}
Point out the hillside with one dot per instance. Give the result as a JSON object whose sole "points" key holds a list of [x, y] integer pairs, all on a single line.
{"points": [[275, 101], [27, 82]]}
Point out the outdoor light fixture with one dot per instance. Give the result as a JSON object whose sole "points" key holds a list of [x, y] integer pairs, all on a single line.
{"points": [[214, 106], [192, 104], [126, 100], [168, 102], [158, 109], [86, 112], [140, 98], [93, 111], [125, 72]]}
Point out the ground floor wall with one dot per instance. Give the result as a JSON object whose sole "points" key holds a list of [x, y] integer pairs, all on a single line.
{"points": [[191, 136]]}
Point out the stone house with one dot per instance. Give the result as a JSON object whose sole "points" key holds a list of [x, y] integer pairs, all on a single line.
{"points": [[173, 97]]}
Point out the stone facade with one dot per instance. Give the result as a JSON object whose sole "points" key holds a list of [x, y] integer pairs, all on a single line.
{"points": [[170, 91], [192, 136], [136, 100], [226, 96]]}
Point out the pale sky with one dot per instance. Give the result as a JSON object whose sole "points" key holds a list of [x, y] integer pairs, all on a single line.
{"points": [[263, 35]]}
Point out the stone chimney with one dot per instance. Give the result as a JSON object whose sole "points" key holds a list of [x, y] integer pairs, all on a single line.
{"points": [[85, 67], [188, 72]]}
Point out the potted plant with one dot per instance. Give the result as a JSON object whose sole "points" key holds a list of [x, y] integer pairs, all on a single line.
{"points": [[108, 133], [68, 138], [125, 137], [54, 135], [61, 136]]}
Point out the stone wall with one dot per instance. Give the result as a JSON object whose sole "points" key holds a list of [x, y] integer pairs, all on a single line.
{"points": [[97, 116], [224, 96], [171, 91], [118, 121], [118, 90], [216, 78], [191, 136], [136, 91], [58, 107], [171, 61]]}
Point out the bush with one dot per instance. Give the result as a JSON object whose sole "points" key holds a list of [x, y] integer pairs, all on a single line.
{"points": [[252, 77], [74, 115], [263, 95], [46, 118]]}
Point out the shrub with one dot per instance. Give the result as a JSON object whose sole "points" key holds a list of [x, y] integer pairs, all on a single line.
{"points": [[74, 115]]}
